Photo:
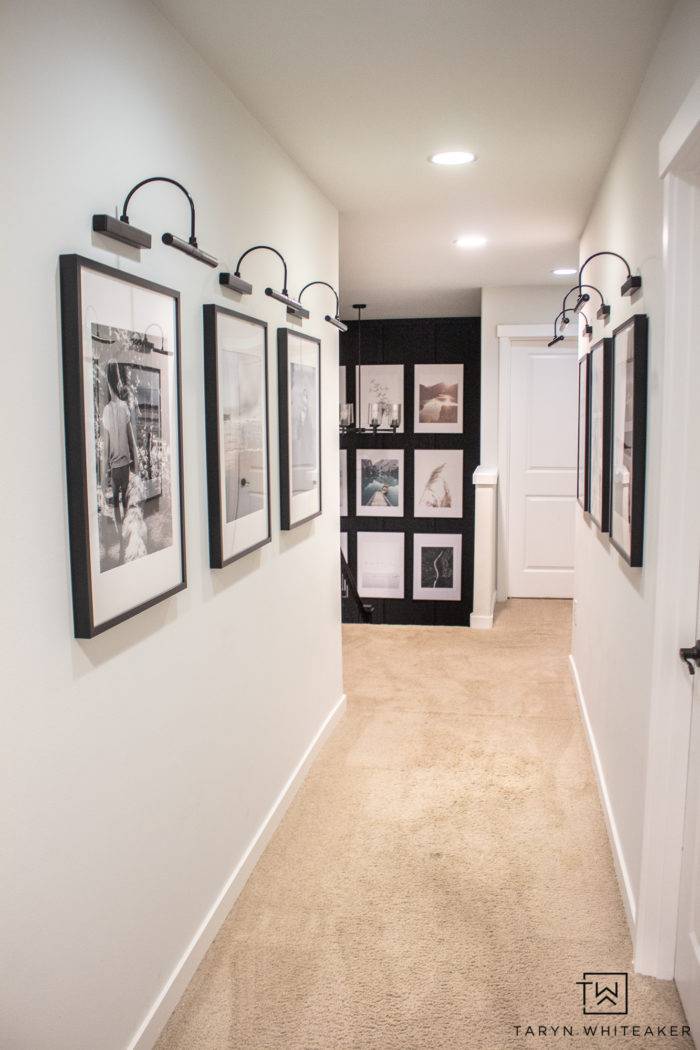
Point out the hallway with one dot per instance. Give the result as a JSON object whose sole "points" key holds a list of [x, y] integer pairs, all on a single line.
{"points": [[443, 878]]}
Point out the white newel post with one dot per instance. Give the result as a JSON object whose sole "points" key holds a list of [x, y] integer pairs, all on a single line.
{"points": [[485, 493]]}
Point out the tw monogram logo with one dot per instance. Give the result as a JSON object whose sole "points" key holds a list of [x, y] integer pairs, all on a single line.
{"points": [[604, 993]]}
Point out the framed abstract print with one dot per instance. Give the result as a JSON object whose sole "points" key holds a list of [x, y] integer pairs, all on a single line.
{"points": [[600, 388], [123, 426], [299, 385], [582, 476], [629, 424], [438, 482], [236, 419], [437, 567], [439, 399], [380, 564]]}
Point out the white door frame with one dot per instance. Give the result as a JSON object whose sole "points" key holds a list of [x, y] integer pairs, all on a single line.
{"points": [[677, 556], [507, 334]]}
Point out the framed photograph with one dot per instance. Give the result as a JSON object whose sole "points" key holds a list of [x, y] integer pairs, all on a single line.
{"points": [[379, 482], [437, 567], [343, 482], [439, 399], [299, 374], [380, 561], [629, 424], [380, 390], [438, 481], [582, 476], [238, 472], [123, 425], [600, 388]]}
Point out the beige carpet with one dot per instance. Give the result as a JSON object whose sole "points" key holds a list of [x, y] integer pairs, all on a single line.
{"points": [[443, 875]]}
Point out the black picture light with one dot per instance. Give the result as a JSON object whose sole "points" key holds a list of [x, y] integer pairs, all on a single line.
{"points": [[235, 282], [331, 320], [121, 229], [631, 285]]}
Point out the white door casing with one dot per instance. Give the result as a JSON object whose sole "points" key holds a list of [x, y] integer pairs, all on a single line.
{"points": [[537, 463], [688, 937], [670, 772]]}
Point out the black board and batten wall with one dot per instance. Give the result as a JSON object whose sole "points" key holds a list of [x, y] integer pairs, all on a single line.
{"points": [[424, 341]]}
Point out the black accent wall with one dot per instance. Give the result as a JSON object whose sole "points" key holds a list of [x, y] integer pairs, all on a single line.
{"points": [[416, 342]]}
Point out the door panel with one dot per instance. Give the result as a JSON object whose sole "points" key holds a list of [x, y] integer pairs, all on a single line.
{"points": [[542, 474]]}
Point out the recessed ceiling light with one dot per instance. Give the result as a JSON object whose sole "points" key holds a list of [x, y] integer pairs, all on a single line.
{"points": [[453, 157], [564, 271], [472, 241]]}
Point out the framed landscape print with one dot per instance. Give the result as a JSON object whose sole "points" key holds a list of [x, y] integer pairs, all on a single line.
{"points": [[380, 561], [439, 399], [123, 425], [236, 415], [438, 481], [381, 386], [379, 482], [437, 567], [299, 376], [600, 386], [629, 420], [582, 486]]}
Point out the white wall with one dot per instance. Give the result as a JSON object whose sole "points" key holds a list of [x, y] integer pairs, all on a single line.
{"points": [[614, 612], [141, 765], [538, 304]]}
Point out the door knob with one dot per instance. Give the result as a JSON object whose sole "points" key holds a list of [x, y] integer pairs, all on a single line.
{"points": [[691, 654]]}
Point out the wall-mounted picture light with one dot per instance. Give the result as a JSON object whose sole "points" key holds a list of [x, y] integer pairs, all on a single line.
{"points": [[237, 284], [583, 298], [331, 320], [121, 229], [631, 285]]}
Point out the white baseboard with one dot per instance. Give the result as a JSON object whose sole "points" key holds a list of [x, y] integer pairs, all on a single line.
{"points": [[625, 883], [166, 1002], [483, 621]]}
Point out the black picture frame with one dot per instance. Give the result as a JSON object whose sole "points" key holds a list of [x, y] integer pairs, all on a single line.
{"points": [[582, 462], [600, 420], [629, 426], [237, 433], [299, 390], [122, 393]]}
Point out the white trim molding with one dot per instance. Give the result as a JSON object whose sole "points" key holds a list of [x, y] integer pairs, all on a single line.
{"points": [[507, 335], [485, 518], [678, 553], [181, 976], [623, 878]]}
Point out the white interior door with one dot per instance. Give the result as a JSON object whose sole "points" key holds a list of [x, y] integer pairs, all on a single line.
{"points": [[688, 938], [542, 469]]}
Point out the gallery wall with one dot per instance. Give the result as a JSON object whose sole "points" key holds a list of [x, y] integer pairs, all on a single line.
{"points": [[144, 766], [413, 559], [614, 629]]}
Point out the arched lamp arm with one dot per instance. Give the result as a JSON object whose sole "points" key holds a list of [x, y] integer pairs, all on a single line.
{"points": [[632, 284], [327, 285], [173, 182], [583, 298], [335, 321], [266, 247]]}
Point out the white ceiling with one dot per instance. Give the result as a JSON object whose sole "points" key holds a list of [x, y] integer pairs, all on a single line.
{"points": [[360, 93]]}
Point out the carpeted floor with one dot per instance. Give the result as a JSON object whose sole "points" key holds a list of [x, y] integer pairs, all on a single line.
{"points": [[444, 873]]}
